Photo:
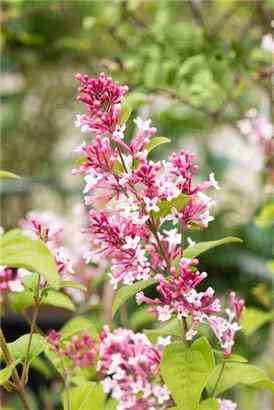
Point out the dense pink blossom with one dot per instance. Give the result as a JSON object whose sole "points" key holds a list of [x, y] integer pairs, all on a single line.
{"points": [[103, 99], [225, 329], [131, 368], [81, 350], [178, 295]]}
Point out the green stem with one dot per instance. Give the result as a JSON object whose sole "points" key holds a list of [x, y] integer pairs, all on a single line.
{"points": [[67, 385], [37, 301], [182, 241], [219, 377], [18, 385], [184, 329]]}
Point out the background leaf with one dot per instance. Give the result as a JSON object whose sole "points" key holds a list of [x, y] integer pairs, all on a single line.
{"points": [[238, 373]]}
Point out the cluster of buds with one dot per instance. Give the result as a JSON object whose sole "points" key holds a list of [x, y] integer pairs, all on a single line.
{"points": [[103, 102], [130, 365], [178, 295], [125, 174], [225, 329], [81, 350]]}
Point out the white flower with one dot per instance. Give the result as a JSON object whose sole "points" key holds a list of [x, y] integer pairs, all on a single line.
{"points": [[92, 180], [164, 341], [173, 237], [63, 260], [139, 221], [143, 274], [143, 125], [205, 218], [140, 255], [87, 255], [206, 199], [190, 334], [151, 204], [181, 312], [16, 285], [113, 281], [213, 181], [127, 207], [131, 243], [190, 242], [119, 132], [174, 216], [164, 313], [80, 147]]}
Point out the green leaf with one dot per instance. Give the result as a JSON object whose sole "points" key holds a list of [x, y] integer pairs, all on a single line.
{"points": [[79, 396], [111, 404], [5, 373], [31, 282], [201, 247], [126, 292], [232, 357], [20, 301], [18, 348], [89, 396], [209, 404], [238, 373], [58, 299], [193, 251], [254, 319], [118, 167], [22, 252], [155, 142], [72, 284], [186, 371], [80, 161], [8, 175], [171, 329], [124, 115], [165, 206]]}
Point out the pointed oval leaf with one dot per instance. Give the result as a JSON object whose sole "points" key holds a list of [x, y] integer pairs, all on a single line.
{"points": [[72, 284], [18, 348], [5, 373], [186, 370], [126, 292], [254, 319], [238, 373], [155, 142], [19, 251], [124, 115], [171, 329], [194, 251], [58, 299], [8, 175]]}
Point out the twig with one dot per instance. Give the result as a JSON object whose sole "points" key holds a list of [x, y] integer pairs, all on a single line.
{"points": [[219, 377], [18, 385], [37, 301]]}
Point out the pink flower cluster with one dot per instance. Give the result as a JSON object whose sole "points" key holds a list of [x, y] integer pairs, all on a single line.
{"points": [[48, 228], [82, 351], [259, 130], [131, 367], [226, 404], [179, 296], [103, 101], [117, 171], [225, 329], [10, 282]]}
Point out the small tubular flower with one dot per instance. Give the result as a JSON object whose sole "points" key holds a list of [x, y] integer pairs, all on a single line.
{"points": [[130, 365]]}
